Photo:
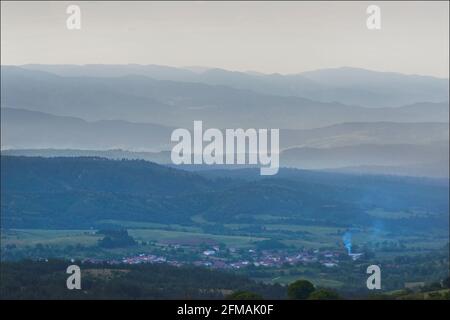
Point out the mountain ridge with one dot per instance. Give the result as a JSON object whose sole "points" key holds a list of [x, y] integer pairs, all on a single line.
{"points": [[324, 85], [169, 103]]}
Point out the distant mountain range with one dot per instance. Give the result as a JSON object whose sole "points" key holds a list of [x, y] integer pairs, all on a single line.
{"points": [[141, 99], [24, 129], [30, 129], [408, 160], [328, 119], [355, 133], [416, 160], [437, 169], [418, 146], [346, 85]]}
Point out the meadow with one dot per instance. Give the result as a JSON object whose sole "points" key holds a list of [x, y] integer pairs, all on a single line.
{"points": [[232, 236]]}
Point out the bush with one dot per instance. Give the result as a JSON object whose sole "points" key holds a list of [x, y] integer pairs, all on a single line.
{"points": [[300, 290], [324, 294]]}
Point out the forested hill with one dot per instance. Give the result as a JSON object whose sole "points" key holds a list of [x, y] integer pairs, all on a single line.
{"points": [[46, 280], [80, 191], [92, 174]]}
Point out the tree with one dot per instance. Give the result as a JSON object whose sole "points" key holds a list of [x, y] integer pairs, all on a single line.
{"points": [[244, 295], [300, 290], [115, 239], [324, 294]]}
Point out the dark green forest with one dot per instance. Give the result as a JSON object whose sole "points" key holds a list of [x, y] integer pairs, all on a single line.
{"points": [[47, 280], [77, 192]]}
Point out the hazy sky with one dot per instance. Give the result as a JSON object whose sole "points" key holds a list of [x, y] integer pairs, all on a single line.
{"points": [[284, 37]]}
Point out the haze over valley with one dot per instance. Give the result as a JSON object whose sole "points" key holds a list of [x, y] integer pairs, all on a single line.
{"points": [[348, 119]]}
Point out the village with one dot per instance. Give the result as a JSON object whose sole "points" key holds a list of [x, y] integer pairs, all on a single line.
{"points": [[232, 258]]}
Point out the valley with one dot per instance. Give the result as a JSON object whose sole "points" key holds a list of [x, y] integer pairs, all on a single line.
{"points": [[233, 224]]}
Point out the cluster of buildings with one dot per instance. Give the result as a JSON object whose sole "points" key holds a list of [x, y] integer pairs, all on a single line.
{"points": [[280, 258], [144, 258], [138, 259], [237, 259], [233, 258]]}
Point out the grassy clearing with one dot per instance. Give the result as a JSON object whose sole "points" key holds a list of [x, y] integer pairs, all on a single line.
{"points": [[150, 225], [161, 235], [318, 230], [31, 237]]}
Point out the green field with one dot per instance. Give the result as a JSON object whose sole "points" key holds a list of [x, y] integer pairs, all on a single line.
{"points": [[299, 236], [164, 235], [30, 237], [22, 238]]}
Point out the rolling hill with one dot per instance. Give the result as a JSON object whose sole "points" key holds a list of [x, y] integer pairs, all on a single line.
{"points": [[170, 103], [80, 192], [346, 85]]}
